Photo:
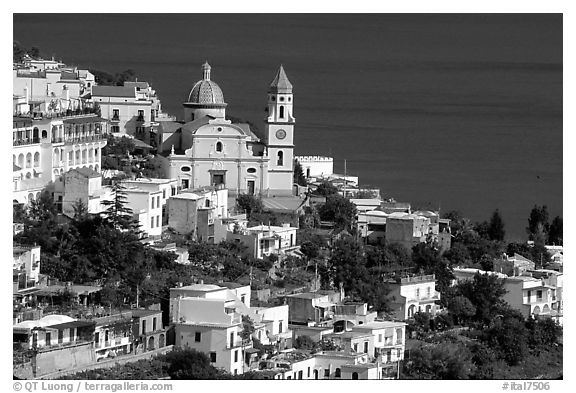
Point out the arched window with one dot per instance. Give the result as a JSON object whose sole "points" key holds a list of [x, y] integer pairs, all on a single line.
{"points": [[36, 160], [21, 160], [280, 158], [207, 202], [29, 160], [354, 375], [14, 159], [281, 111], [219, 147]]}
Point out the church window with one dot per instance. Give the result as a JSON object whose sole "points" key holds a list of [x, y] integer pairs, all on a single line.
{"points": [[289, 99], [281, 112], [251, 170], [273, 98], [219, 129], [218, 146], [281, 98], [185, 169], [280, 158]]}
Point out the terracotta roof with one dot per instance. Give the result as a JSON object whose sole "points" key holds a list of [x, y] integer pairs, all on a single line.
{"points": [[87, 172], [281, 84], [84, 119], [113, 91]]}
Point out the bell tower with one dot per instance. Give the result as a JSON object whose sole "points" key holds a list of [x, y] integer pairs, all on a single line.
{"points": [[279, 135]]}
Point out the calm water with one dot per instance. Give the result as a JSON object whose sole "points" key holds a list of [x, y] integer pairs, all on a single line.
{"points": [[458, 111]]}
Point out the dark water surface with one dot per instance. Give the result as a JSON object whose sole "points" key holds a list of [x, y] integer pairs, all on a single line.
{"points": [[458, 111]]}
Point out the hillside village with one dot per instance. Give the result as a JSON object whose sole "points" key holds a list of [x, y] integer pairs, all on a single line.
{"points": [[139, 238]]}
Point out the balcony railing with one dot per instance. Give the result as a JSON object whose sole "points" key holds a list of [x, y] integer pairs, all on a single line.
{"points": [[239, 343], [88, 138], [27, 141], [115, 118], [57, 140]]}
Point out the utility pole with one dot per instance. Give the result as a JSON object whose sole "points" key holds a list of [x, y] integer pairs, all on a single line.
{"points": [[344, 178]]}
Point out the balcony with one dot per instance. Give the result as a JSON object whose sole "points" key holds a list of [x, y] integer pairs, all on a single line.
{"points": [[27, 141], [239, 343], [57, 140], [83, 139], [115, 118], [140, 118]]}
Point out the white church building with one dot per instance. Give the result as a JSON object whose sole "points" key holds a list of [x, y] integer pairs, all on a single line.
{"points": [[208, 150]]}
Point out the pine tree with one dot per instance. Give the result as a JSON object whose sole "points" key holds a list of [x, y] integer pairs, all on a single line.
{"points": [[299, 174], [555, 233], [116, 212], [538, 221], [496, 227]]}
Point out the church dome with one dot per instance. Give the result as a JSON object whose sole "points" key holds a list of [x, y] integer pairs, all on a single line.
{"points": [[205, 91]]}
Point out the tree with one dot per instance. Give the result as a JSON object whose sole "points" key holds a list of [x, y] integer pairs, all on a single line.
{"points": [[458, 255], [18, 51], [299, 174], [34, 52], [116, 212], [427, 260], [346, 266], [484, 291], [538, 221], [80, 209], [127, 75], [189, 364], [496, 227], [555, 233], [461, 308], [310, 249], [543, 332], [440, 361], [304, 342], [509, 337], [339, 210], [249, 203], [326, 188]]}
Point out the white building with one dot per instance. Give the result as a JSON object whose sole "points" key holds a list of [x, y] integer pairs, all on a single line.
{"points": [[410, 295], [264, 240], [531, 296], [208, 318], [198, 211], [82, 184], [26, 262], [146, 206], [208, 150], [316, 166], [44, 148]]}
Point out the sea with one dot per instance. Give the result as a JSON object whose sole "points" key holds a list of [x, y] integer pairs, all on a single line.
{"points": [[445, 111]]}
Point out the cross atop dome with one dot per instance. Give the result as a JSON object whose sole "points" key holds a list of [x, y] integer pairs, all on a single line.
{"points": [[206, 71], [281, 84]]}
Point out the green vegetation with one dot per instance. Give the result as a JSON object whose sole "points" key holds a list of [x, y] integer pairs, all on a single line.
{"points": [[299, 177], [179, 364]]}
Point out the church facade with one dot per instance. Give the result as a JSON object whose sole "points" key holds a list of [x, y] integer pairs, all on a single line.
{"points": [[209, 150]]}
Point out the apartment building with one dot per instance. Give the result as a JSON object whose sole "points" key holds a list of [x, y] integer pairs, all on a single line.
{"points": [[264, 240], [409, 295], [44, 148]]}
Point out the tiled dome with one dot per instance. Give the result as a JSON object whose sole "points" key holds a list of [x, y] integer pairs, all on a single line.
{"points": [[205, 91]]}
